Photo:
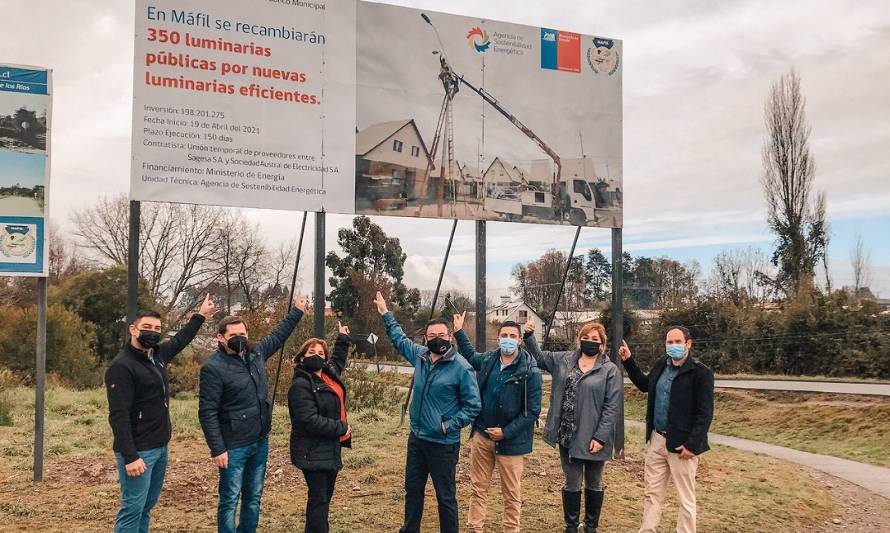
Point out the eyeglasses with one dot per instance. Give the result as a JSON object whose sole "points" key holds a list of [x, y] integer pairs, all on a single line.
{"points": [[431, 336]]}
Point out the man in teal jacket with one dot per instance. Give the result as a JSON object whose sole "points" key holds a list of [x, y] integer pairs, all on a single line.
{"points": [[446, 399]]}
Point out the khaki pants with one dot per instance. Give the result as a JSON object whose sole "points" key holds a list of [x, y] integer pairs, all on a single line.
{"points": [[482, 462], [661, 464]]}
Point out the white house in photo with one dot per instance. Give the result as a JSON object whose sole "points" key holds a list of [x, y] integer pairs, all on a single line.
{"points": [[390, 162], [518, 312], [501, 174]]}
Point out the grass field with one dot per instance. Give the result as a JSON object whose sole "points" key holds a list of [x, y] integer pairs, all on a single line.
{"points": [[737, 492], [851, 427]]}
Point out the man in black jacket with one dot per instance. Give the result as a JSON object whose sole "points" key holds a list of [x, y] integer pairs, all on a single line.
{"points": [[678, 415], [236, 415], [139, 412]]}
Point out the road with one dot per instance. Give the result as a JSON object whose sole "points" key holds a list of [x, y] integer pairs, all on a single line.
{"points": [[870, 477], [17, 206], [865, 389]]}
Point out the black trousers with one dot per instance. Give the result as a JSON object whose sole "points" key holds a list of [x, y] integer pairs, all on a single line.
{"points": [[427, 459], [321, 489]]}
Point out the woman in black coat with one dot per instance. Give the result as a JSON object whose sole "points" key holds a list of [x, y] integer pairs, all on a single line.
{"points": [[317, 405]]}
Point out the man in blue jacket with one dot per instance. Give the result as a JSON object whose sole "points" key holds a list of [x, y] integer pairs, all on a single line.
{"points": [[446, 399], [236, 415], [510, 383]]}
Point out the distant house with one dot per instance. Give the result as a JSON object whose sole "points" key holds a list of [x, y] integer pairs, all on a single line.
{"points": [[500, 175], [518, 312], [390, 163], [472, 182]]}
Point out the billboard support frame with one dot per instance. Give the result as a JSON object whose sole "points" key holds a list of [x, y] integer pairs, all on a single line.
{"points": [[617, 333]]}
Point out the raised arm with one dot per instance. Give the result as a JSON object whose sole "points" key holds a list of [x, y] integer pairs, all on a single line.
{"points": [[409, 349], [169, 349], [464, 346], [546, 360], [272, 342], [119, 387], [341, 349], [640, 379]]}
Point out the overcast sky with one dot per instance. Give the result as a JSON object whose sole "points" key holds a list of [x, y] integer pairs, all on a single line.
{"points": [[696, 74]]}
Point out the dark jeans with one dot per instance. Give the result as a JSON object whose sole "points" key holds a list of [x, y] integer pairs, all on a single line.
{"points": [[576, 469], [321, 490], [140, 494], [438, 461], [242, 480]]}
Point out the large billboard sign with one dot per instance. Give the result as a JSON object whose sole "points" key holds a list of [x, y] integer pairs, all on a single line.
{"points": [[25, 117], [478, 119], [248, 103], [360, 107]]}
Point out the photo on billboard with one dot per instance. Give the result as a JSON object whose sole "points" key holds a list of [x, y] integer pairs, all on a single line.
{"points": [[25, 115], [483, 120]]}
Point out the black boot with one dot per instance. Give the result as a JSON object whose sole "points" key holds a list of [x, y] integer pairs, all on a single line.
{"points": [[593, 505], [571, 510]]}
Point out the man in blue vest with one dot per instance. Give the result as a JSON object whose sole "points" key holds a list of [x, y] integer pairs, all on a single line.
{"points": [[510, 383]]}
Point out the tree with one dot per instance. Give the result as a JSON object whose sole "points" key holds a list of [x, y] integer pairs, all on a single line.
{"points": [[797, 220], [860, 261], [370, 261], [734, 275], [70, 344], [599, 270], [537, 282], [100, 298], [177, 243]]}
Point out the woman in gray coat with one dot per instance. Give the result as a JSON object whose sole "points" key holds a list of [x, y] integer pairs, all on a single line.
{"points": [[585, 398]]}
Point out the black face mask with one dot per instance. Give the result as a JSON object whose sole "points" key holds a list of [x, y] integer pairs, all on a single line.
{"points": [[438, 346], [312, 363], [237, 344], [590, 348], [148, 339]]}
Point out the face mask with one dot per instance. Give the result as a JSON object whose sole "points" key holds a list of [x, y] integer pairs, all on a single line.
{"points": [[675, 351], [149, 339], [312, 363], [590, 348], [438, 346], [237, 344], [508, 346]]}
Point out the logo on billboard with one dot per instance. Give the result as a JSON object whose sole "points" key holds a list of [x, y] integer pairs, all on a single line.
{"points": [[560, 50], [477, 39], [602, 56], [17, 241]]}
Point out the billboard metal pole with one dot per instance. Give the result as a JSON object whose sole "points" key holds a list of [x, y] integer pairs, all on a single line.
{"points": [[40, 378], [133, 262], [432, 314], [480, 285], [562, 286], [318, 303], [290, 303], [617, 333]]}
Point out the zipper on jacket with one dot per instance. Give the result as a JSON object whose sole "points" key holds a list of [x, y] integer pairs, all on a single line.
{"points": [[151, 361], [426, 386]]}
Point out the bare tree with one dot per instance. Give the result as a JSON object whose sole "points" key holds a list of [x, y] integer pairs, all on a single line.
{"points": [[734, 275], [860, 260], [788, 171], [176, 243]]}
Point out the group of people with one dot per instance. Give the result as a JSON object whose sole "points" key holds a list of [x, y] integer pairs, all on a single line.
{"points": [[497, 393]]}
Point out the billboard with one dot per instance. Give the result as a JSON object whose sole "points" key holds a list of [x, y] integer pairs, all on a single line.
{"points": [[248, 103], [476, 119], [25, 117], [359, 107]]}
